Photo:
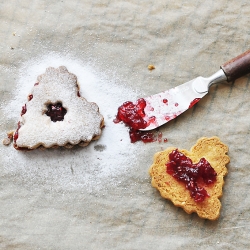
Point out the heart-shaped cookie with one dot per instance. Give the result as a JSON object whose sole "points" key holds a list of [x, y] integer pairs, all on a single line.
{"points": [[214, 151]]}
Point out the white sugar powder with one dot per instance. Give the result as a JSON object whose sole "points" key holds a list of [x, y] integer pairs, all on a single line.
{"points": [[102, 163]]}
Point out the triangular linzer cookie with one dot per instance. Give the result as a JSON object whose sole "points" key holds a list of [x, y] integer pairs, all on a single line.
{"points": [[56, 115]]}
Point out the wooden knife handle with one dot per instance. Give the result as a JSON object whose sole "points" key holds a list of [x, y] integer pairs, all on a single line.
{"points": [[237, 67]]}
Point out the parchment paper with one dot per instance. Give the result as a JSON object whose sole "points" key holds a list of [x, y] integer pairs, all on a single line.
{"points": [[182, 39]]}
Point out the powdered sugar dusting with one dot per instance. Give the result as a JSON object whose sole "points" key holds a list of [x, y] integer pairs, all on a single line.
{"points": [[102, 163]]}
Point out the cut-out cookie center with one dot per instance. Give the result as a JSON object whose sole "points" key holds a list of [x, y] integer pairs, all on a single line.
{"points": [[56, 111]]}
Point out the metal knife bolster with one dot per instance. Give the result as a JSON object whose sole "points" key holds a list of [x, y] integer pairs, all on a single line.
{"points": [[201, 84]]}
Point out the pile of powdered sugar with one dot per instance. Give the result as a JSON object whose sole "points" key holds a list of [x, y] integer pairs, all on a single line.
{"points": [[102, 163]]}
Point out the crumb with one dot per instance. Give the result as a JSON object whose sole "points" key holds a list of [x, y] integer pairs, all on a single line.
{"points": [[151, 67], [10, 134], [6, 141], [11, 48], [14, 33]]}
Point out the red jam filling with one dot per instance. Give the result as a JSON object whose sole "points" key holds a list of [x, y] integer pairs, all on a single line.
{"points": [[192, 175], [56, 112], [24, 110], [30, 97], [15, 137]]}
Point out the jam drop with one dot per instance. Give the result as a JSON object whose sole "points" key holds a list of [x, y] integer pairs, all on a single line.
{"points": [[24, 110], [183, 170], [30, 97], [165, 101], [193, 102], [56, 112]]}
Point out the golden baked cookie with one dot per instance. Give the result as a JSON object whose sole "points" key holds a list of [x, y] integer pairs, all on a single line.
{"points": [[178, 190], [56, 115]]}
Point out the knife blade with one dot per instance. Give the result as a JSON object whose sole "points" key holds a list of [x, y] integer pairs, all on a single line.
{"points": [[163, 107]]}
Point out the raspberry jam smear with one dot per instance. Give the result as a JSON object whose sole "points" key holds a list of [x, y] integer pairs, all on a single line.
{"points": [[137, 135], [15, 136], [192, 175], [56, 112], [133, 115], [193, 102]]}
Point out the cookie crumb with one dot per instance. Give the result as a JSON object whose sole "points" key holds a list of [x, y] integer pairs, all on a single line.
{"points": [[7, 141], [151, 67], [10, 134]]}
